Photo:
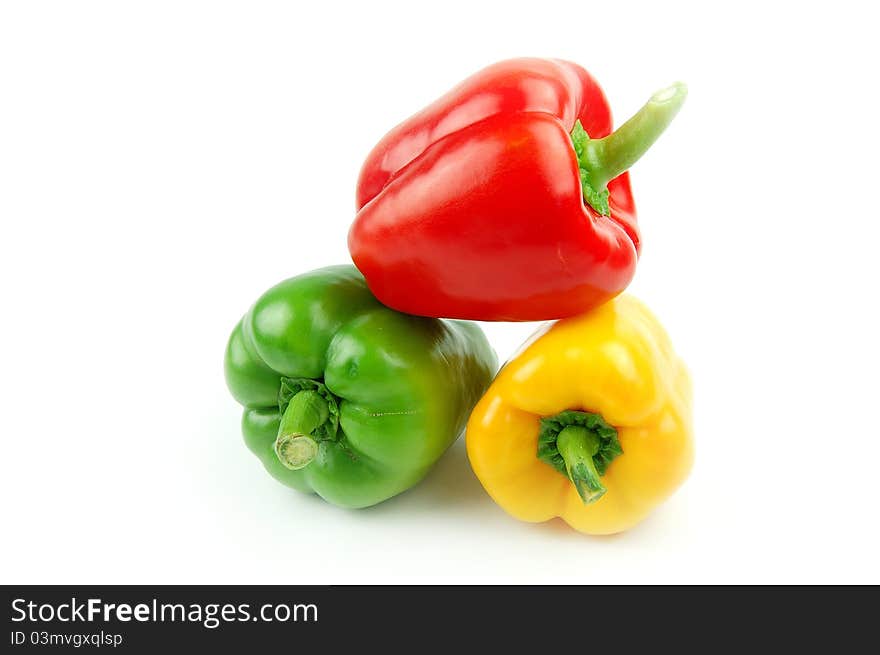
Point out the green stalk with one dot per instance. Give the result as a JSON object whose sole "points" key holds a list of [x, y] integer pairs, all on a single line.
{"points": [[578, 445], [601, 160], [294, 446]]}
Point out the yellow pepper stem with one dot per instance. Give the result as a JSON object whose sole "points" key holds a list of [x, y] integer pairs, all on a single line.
{"points": [[578, 445]]}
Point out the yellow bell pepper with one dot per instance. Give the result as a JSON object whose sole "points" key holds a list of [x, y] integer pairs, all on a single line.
{"points": [[590, 423]]}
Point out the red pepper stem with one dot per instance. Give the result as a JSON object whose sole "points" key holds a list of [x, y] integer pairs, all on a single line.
{"points": [[294, 446], [608, 157]]}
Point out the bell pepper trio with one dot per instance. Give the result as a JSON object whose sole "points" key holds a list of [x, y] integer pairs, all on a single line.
{"points": [[505, 200]]}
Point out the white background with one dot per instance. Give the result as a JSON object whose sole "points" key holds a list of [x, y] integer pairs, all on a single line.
{"points": [[163, 163]]}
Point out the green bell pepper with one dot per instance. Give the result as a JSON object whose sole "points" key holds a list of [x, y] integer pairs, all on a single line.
{"points": [[346, 398]]}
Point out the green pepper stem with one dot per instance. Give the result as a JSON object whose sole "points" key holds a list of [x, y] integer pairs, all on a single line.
{"points": [[608, 157], [294, 446], [577, 445]]}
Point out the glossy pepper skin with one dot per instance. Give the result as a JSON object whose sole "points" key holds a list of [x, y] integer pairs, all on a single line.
{"points": [[346, 398], [502, 200], [590, 423]]}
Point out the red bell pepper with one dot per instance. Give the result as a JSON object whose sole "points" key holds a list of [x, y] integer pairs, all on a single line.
{"points": [[506, 199]]}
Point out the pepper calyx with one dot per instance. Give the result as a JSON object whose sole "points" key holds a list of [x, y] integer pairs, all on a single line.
{"points": [[594, 196], [581, 446]]}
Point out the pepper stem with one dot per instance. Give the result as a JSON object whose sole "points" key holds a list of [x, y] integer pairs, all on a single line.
{"points": [[294, 446], [578, 445], [601, 160]]}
